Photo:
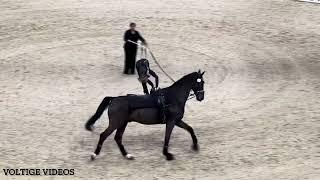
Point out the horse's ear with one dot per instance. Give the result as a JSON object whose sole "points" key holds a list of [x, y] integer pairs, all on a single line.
{"points": [[203, 73], [199, 72]]}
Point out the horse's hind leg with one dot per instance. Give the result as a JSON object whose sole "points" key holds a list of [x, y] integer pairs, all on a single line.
{"points": [[118, 139], [103, 137], [185, 126]]}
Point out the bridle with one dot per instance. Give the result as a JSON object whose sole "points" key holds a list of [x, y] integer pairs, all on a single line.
{"points": [[195, 93]]}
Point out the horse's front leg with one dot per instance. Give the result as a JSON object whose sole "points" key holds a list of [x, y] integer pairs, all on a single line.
{"points": [[169, 127], [185, 126]]}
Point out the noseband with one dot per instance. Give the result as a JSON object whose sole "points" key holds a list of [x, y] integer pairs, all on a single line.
{"points": [[192, 95]]}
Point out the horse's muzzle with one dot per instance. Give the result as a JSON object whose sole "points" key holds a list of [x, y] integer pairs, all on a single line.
{"points": [[200, 95]]}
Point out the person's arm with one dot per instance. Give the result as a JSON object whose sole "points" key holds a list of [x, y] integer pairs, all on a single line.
{"points": [[126, 36], [141, 38], [152, 73]]}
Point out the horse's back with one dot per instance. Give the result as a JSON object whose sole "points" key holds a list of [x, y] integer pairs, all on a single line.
{"points": [[141, 101], [138, 108], [132, 102]]}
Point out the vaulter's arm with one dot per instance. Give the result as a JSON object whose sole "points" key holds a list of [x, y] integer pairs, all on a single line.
{"points": [[152, 73]]}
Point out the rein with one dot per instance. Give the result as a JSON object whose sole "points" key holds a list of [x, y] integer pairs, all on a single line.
{"points": [[191, 96], [154, 58]]}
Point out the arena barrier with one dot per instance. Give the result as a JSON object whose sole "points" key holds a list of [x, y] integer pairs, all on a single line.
{"points": [[310, 1]]}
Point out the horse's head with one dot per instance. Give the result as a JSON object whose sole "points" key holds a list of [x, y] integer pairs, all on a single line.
{"points": [[197, 85]]}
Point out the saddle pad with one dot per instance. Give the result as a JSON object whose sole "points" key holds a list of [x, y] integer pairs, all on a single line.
{"points": [[141, 101]]}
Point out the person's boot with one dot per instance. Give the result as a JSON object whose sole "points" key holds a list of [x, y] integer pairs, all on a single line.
{"points": [[152, 91]]}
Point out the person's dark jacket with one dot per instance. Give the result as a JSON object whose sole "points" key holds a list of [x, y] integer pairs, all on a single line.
{"points": [[133, 37]]}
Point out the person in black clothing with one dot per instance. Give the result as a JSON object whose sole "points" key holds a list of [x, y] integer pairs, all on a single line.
{"points": [[130, 49], [144, 72]]}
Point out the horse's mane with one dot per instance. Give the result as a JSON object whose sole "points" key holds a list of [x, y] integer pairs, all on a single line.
{"points": [[186, 78]]}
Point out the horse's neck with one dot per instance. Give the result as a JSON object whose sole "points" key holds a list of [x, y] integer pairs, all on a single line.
{"points": [[179, 92]]}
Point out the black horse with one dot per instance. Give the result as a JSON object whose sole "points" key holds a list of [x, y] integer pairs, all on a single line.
{"points": [[124, 109]]}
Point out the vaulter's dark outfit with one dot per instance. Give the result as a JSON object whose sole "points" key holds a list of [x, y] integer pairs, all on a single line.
{"points": [[144, 72], [130, 50]]}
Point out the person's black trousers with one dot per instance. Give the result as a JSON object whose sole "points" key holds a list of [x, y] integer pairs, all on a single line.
{"points": [[130, 52]]}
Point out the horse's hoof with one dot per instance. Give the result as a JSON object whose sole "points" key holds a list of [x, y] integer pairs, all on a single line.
{"points": [[195, 147], [129, 157], [93, 156], [169, 157]]}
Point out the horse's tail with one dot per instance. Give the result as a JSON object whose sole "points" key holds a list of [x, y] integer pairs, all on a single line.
{"points": [[103, 105]]}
